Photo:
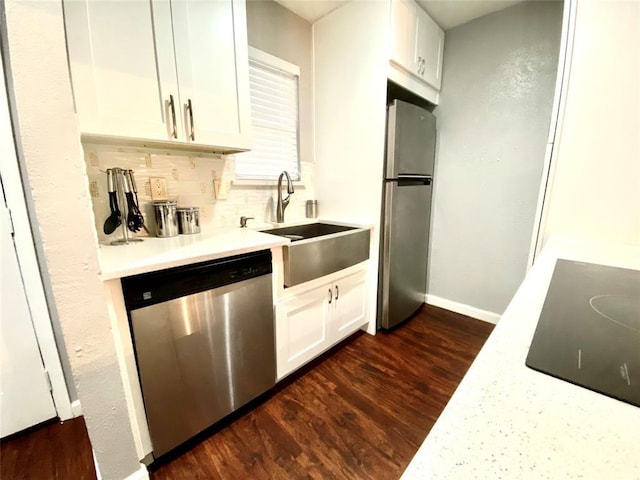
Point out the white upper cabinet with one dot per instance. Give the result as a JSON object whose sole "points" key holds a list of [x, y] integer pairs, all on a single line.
{"points": [[403, 34], [162, 70], [209, 38], [417, 44], [429, 46], [114, 67]]}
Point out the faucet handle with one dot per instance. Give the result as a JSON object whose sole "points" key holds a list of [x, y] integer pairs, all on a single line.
{"points": [[243, 221]]}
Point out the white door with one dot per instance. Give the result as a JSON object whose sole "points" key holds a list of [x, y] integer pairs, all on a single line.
{"points": [[25, 398], [122, 65], [403, 33], [302, 328], [212, 61], [428, 49], [350, 305]]}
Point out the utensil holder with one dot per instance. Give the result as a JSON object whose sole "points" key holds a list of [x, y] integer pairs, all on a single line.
{"points": [[118, 180]]}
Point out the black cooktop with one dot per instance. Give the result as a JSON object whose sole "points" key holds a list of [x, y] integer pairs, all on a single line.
{"points": [[589, 329]]}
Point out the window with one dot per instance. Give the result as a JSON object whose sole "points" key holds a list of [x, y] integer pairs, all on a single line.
{"points": [[274, 117]]}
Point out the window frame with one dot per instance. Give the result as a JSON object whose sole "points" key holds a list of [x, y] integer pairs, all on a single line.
{"points": [[271, 61]]}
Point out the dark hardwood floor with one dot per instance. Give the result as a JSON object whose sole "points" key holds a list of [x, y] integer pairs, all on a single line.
{"points": [[359, 413], [56, 450]]}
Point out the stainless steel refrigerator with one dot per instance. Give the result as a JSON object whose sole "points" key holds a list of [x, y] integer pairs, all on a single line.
{"points": [[406, 212]]}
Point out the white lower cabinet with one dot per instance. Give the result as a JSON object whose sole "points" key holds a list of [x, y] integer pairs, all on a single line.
{"points": [[311, 322], [349, 305]]}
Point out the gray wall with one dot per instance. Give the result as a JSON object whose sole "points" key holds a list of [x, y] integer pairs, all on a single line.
{"points": [[280, 32], [493, 120]]}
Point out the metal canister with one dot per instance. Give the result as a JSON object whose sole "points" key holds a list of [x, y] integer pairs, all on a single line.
{"points": [[188, 220], [166, 219], [312, 209]]}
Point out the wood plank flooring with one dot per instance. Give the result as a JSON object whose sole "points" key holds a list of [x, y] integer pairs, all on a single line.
{"points": [[359, 413], [56, 450]]}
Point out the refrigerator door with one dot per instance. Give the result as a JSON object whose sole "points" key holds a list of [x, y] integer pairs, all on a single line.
{"points": [[404, 249], [411, 140]]}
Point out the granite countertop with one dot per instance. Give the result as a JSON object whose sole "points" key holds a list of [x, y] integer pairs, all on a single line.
{"points": [[160, 253], [508, 421]]}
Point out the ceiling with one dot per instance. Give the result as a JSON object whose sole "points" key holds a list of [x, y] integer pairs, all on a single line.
{"points": [[446, 13], [451, 13]]}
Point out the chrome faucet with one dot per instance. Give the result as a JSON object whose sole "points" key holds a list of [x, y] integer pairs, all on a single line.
{"points": [[282, 203]]}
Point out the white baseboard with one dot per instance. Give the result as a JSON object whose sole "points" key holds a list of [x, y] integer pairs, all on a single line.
{"points": [[95, 464], [141, 474], [76, 408], [462, 308]]}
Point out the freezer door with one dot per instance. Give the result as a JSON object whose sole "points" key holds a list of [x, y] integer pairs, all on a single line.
{"points": [[411, 140], [404, 251]]}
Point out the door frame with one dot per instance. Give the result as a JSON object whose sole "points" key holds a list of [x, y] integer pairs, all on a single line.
{"points": [[555, 126], [15, 195]]}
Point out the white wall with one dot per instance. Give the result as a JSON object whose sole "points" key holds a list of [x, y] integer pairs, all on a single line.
{"points": [[280, 32], [350, 71], [49, 150], [190, 182], [595, 192], [493, 120]]}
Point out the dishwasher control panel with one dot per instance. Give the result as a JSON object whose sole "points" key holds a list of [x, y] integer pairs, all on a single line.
{"points": [[156, 287]]}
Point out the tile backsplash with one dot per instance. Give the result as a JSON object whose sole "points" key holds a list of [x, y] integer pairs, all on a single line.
{"points": [[193, 180]]}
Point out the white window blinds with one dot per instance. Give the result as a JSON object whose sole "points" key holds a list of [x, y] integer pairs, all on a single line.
{"points": [[274, 117]]}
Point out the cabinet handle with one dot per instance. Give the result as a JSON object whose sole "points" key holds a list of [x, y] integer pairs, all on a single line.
{"points": [[337, 293], [174, 132], [190, 108], [330, 295]]}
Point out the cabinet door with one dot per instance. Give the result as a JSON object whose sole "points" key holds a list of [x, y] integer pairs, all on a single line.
{"points": [[119, 73], [302, 328], [403, 34], [211, 54], [350, 305], [429, 44]]}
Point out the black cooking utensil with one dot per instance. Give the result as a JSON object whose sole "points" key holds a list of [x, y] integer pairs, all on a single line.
{"points": [[136, 204], [114, 220], [132, 219]]}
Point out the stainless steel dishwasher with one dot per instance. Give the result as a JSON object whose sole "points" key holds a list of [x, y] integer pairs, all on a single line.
{"points": [[203, 338]]}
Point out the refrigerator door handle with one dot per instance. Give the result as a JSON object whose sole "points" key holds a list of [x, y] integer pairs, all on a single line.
{"points": [[408, 179], [385, 248]]}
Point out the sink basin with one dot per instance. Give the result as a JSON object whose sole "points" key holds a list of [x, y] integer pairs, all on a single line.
{"points": [[318, 249], [310, 230]]}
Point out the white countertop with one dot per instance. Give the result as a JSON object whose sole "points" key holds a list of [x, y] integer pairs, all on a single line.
{"points": [[508, 421], [160, 253], [117, 261]]}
